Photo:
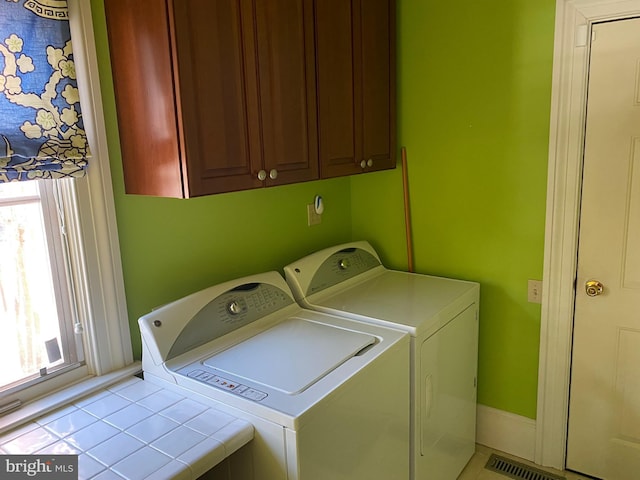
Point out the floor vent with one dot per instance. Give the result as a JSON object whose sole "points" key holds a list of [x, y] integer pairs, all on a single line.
{"points": [[517, 470]]}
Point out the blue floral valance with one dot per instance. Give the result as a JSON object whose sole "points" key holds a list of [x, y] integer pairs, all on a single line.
{"points": [[41, 130]]}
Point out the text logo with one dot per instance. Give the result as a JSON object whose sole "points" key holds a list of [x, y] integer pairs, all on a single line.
{"points": [[50, 467]]}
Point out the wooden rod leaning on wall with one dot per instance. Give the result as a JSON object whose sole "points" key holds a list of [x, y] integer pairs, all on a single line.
{"points": [[407, 209]]}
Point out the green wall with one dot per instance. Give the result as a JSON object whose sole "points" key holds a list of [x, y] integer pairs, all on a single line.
{"points": [[474, 83], [171, 247], [474, 87]]}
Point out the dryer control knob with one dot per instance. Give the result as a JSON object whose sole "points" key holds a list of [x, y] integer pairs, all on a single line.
{"points": [[234, 308], [343, 264]]}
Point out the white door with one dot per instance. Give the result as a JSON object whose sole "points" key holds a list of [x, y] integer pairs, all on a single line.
{"points": [[604, 409]]}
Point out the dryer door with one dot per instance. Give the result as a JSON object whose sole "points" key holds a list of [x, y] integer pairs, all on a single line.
{"points": [[447, 398]]}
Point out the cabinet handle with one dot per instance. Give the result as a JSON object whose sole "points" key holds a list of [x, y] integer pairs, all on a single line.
{"points": [[370, 162], [273, 174], [363, 164], [262, 175]]}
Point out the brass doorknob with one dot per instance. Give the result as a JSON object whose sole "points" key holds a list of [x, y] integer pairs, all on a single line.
{"points": [[593, 288]]}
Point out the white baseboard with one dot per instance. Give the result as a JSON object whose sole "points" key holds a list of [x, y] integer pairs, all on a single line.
{"points": [[507, 432]]}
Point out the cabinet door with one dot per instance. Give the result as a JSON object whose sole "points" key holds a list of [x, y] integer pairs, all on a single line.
{"points": [[215, 61], [356, 85], [336, 52], [286, 72], [146, 108], [378, 83]]}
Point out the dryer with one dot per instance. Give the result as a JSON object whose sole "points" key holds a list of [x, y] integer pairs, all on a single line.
{"points": [[440, 314], [328, 397]]}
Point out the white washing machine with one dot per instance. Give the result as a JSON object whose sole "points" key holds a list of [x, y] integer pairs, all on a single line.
{"points": [[328, 397], [440, 314]]}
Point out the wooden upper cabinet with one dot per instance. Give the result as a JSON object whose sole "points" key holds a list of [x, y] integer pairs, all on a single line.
{"points": [[213, 96], [355, 59], [224, 95]]}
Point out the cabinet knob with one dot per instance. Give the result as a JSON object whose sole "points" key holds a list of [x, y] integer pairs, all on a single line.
{"points": [[363, 164], [370, 162], [262, 175], [273, 174]]}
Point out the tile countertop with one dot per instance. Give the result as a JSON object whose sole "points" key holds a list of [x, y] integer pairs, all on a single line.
{"points": [[134, 430]]}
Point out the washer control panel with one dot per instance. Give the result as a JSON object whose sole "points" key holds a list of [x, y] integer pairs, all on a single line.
{"points": [[229, 311], [226, 384]]}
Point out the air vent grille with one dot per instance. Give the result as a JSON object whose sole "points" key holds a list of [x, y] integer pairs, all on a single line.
{"points": [[517, 470]]}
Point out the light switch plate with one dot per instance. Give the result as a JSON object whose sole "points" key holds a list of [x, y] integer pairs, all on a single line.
{"points": [[534, 291]]}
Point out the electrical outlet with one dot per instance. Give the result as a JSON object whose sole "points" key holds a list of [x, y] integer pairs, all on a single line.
{"points": [[534, 291], [313, 218]]}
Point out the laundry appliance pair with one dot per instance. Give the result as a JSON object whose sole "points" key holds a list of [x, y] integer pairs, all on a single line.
{"points": [[338, 382]]}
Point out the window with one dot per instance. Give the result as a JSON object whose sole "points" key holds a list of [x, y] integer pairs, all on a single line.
{"points": [[91, 299], [37, 303]]}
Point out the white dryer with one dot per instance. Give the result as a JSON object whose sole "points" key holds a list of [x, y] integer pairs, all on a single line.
{"points": [[440, 314], [328, 397]]}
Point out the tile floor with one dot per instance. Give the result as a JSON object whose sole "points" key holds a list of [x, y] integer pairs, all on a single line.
{"points": [[475, 468]]}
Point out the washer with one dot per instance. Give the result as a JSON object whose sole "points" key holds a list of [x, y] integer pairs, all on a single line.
{"points": [[440, 314], [328, 397]]}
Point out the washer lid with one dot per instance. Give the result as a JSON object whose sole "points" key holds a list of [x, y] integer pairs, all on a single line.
{"points": [[292, 355]]}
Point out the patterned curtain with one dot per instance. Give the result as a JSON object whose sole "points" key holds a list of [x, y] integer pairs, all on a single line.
{"points": [[41, 129]]}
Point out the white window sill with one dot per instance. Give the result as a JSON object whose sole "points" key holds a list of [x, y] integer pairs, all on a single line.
{"points": [[64, 396]]}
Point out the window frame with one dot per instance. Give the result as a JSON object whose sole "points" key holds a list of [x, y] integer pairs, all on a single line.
{"points": [[108, 322], [102, 304]]}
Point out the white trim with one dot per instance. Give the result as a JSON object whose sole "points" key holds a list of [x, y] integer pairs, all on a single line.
{"points": [[568, 105], [506, 432], [107, 325]]}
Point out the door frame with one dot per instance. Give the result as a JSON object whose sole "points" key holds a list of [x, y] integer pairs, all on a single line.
{"points": [[574, 19]]}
